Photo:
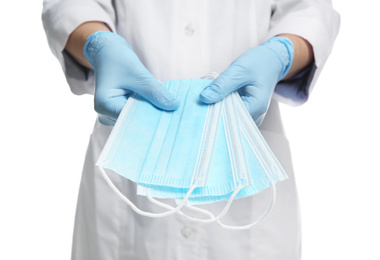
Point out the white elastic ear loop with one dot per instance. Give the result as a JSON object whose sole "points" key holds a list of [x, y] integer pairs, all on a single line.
{"points": [[268, 211], [244, 227], [213, 218], [139, 211]]}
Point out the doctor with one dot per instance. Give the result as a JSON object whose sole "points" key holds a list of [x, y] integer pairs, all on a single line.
{"points": [[269, 51]]}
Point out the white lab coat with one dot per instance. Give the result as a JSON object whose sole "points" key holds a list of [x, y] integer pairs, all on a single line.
{"points": [[188, 39]]}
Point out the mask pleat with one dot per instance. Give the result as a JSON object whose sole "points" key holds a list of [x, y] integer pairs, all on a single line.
{"points": [[188, 136], [155, 149], [159, 175], [122, 154]]}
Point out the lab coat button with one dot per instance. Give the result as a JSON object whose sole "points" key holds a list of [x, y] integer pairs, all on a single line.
{"points": [[189, 30], [186, 232]]}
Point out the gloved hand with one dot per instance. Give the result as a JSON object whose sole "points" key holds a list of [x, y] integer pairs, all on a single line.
{"points": [[118, 73], [254, 75]]}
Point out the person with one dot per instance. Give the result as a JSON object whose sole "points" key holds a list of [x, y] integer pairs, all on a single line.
{"points": [[113, 48]]}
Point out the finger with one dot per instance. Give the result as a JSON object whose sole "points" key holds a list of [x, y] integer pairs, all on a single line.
{"points": [[256, 102], [110, 107], [158, 95], [228, 81], [258, 117], [105, 120]]}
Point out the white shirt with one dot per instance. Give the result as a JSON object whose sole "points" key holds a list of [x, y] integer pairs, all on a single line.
{"points": [[188, 39]]}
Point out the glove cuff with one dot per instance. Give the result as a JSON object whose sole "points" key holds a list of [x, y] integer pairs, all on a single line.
{"points": [[284, 49], [98, 40]]}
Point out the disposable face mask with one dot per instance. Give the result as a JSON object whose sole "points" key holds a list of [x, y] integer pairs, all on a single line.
{"points": [[197, 154]]}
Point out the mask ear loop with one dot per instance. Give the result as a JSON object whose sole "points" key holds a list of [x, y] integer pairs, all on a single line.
{"points": [[267, 212], [212, 218], [139, 211], [171, 210]]}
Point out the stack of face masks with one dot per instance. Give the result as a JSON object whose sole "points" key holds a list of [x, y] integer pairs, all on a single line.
{"points": [[197, 154]]}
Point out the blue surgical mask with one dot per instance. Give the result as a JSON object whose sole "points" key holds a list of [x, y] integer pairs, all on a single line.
{"points": [[197, 154]]}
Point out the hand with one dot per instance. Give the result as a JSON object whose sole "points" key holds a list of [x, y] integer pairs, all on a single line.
{"points": [[118, 73], [254, 75]]}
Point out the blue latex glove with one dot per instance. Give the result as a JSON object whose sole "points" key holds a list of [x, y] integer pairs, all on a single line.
{"points": [[118, 73], [254, 75]]}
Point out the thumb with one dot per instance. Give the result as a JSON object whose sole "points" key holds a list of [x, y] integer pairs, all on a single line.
{"points": [[227, 82]]}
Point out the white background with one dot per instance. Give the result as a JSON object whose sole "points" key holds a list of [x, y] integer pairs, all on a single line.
{"points": [[334, 138]]}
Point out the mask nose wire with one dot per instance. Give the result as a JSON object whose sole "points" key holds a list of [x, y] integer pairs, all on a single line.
{"points": [[135, 208]]}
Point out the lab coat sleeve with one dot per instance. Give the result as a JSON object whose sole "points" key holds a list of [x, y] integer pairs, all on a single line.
{"points": [[318, 23], [60, 19]]}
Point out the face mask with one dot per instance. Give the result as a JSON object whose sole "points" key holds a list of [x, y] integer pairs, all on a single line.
{"points": [[197, 154]]}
